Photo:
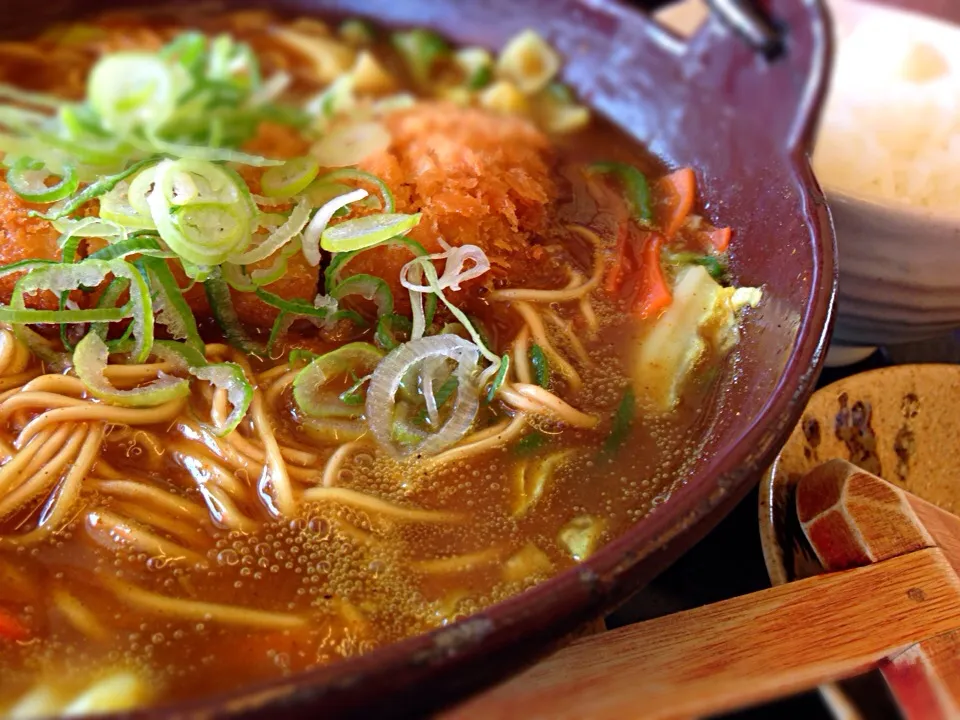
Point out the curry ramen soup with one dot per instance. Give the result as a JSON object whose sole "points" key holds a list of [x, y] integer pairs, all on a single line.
{"points": [[316, 336]]}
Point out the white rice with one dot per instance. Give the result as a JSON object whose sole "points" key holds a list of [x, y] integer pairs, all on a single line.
{"points": [[891, 128]]}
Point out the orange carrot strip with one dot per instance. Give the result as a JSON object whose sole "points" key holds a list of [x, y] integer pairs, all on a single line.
{"points": [[618, 268], [677, 191], [653, 294], [720, 239], [11, 628]]}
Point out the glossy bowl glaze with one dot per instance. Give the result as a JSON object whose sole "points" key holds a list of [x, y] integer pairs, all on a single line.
{"points": [[745, 124]]}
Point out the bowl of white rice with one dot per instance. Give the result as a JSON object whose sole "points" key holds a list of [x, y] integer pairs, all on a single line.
{"points": [[888, 157]]}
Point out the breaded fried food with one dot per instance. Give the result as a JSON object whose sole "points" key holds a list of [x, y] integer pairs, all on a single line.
{"points": [[300, 280], [478, 177], [23, 237]]}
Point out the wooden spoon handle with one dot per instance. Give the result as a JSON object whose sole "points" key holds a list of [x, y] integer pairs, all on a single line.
{"points": [[740, 651]]}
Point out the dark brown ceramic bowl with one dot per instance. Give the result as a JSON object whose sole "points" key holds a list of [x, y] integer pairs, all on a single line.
{"points": [[745, 124]]}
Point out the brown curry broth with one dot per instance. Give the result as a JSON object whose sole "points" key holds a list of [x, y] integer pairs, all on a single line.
{"points": [[360, 595]]}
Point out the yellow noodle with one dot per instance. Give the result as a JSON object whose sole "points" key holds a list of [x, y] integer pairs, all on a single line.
{"points": [[185, 533], [106, 470], [217, 349], [269, 375], [275, 474], [479, 442], [578, 349], [278, 386], [539, 332], [16, 381], [8, 350], [53, 446], [140, 491], [79, 615], [196, 611], [55, 516], [47, 476], [569, 293], [45, 400], [17, 582], [589, 316], [21, 358], [110, 529], [224, 510], [457, 563], [354, 533], [62, 384], [136, 374], [521, 355], [372, 504], [204, 469], [523, 394], [248, 448], [94, 411], [336, 461], [20, 459]]}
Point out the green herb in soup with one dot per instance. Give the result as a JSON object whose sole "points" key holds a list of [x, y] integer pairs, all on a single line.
{"points": [[314, 337]]}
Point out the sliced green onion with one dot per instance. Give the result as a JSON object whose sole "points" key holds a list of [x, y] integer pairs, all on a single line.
{"points": [[278, 238], [225, 376], [200, 210], [622, 422], [433, 281], [27, 179], [368, 287], [61, 278], [130, 246], [388, 204], [421, 50], [363, 232], [278, 268], [358, 358], [90, 361], [529, 443], [53, 317], [11, 92], [318, 224], [541, 366], [331, 276], [499, 378], [104, 184], [108, 299], [90, 226], [131, 90], [221, 305], [207, 154], [172, 310], [635, 186], [387, 328], [714, 265], [298, 355], [289, 179]]}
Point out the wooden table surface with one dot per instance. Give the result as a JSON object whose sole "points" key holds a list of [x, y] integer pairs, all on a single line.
{"points": [[729, 561]]}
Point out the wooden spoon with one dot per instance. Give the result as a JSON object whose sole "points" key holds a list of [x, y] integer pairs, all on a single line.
{"points": [[891, 599]]}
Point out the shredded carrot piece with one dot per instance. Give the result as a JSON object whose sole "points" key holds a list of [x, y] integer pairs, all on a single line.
{"points": [[720, 239], [11, 628], [653, 293], [677, 193], [618, 269]]}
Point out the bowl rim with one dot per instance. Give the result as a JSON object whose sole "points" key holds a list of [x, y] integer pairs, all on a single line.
{"points": [[584, 590]]}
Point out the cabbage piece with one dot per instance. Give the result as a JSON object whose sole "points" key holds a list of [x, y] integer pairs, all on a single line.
{"points": [[529, 562], [581, 536], [700, 323]]}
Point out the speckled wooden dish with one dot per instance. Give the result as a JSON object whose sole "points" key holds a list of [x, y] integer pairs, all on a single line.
{"points": [[901, 423]]}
